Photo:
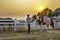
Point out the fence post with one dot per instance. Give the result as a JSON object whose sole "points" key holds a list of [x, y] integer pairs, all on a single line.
{"points": [[15, 24]]}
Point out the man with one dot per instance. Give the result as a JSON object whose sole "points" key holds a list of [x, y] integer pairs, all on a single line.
{"points": [[28, 22]]}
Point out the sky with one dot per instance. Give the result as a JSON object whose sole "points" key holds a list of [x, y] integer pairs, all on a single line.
{"points": [[20, 8]]}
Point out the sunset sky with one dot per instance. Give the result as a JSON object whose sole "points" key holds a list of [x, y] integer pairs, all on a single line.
{"points": [[20, 8]]}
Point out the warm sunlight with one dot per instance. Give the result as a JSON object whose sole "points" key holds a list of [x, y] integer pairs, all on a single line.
{"points": [[20, 8], [41, 8]]}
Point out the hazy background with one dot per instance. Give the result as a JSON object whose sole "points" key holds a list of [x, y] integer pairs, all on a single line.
{"points": [[20, 8]]}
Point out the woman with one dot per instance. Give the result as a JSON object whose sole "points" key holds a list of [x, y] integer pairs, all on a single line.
{"points": [[47, 21]]}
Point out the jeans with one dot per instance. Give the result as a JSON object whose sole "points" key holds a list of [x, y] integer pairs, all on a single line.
{"points": [[28, 28]]}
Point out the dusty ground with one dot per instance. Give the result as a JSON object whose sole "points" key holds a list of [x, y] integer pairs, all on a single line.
{"points": [[34, 35]]}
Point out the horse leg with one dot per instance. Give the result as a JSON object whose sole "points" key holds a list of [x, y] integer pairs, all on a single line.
{"points": [[47, 27], [40, 27], [53, 27]]}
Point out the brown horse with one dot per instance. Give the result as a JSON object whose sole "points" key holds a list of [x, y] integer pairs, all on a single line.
{"points": [[52, 24], [41, 22]]}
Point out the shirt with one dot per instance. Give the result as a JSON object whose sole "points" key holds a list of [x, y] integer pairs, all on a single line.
{"points": [[28, 20], [47, 20]]}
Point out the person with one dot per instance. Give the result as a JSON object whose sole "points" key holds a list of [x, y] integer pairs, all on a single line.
{"points": [[47, 21], [28, 22]]}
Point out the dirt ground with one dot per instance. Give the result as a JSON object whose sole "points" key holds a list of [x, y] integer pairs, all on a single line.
{"points": [[34, 35]]}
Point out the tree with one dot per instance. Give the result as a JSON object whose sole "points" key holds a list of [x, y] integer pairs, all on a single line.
{"points": [[49, 13]]}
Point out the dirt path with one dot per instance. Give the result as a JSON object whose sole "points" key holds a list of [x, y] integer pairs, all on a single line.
{"points": [[16, 37], [49, 35]]}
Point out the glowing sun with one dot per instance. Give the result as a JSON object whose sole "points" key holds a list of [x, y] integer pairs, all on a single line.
{"points": [[41, 8]]}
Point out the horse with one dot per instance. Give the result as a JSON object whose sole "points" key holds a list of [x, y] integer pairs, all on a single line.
{"points": [[51, 22], [40, 21]]}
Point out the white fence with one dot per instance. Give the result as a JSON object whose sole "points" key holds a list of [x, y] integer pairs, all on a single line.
{"points": [[23, 26], [34, 26]]}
